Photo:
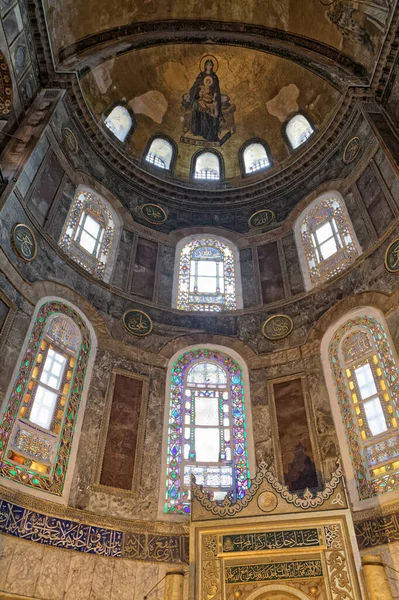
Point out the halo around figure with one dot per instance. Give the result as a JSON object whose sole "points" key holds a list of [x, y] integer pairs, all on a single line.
{"points": [[213, 59]]}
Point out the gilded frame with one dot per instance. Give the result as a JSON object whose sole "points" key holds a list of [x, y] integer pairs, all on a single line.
{"points": [[138, 461]]}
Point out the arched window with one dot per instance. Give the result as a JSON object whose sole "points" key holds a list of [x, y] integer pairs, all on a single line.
{"points": [[207, 166], [255, 158], [160, 153], [298, 130], [89, 233], [206, 429], [206, 275], [38, 424], [367, 386], [119, 122], [325, 239]]}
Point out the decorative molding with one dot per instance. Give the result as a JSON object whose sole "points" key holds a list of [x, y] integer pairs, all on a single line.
{"points": [[228, 508]]}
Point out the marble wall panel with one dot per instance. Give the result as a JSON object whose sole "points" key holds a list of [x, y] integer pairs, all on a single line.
{"points": [[80, 577], [24, 570], [103, 578], [292, 264], [7, 547], [53, 574], [124, 580]]}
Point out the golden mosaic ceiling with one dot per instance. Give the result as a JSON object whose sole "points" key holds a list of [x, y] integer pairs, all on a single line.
{"points": [[273, 58], [353, 27], [258, 90]]}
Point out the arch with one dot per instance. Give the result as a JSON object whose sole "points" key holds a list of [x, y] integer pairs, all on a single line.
{"points": [[53, 371], [298, 129], [160, 152], [225, 291], [91, 233], [277, 587], [360, 367], [325, 239], [254, 156], [119, 120], [207, 165], [230, 399]]}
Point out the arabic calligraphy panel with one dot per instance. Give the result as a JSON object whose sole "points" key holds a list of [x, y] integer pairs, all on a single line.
{"points": [[277, 327], [23, 242], [392, 257], [137, 322], [154, 213], [271, 540], [261, 218], [273, 571]]}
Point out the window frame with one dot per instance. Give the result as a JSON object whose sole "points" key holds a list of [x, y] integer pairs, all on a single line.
{"points": [[207, 182], [148, 165], [363, 494], [177, 268], [314, 271], [55, 482], [287, 122], [133, 125], [242, 161], [102, 265], [191, 354]]}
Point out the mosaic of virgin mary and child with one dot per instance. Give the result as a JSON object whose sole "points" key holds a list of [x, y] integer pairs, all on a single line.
{"points": [[208, 115]]}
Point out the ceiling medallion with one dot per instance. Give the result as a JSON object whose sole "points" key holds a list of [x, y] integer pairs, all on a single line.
{"points": [[70, 140], [277, 327], [154, 213], [261, 218], [23, 242], [136, 322], [391, 260], [352, 149], [267, 501]]}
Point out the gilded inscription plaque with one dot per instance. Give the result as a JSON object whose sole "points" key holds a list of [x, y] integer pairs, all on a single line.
{"points": [[70, 140], [261, 218], [352, 149], [137, 322], [277, 327], [392, 257], [23, 242], [154, 213]]}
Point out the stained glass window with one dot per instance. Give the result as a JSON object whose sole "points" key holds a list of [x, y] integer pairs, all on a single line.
{"points": [[206, 276], [89, 232], [298, 130], [119, 122], [255, 158], [37, 429], [327, 239], [206, 430], [160, 153], [367, 382]]}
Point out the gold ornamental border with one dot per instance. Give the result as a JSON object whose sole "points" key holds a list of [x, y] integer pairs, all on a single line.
{"points": [[151, 220], [14, 246], [131, 332], [273, 216], [70, 140], [386, 255], [276, 339]]}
